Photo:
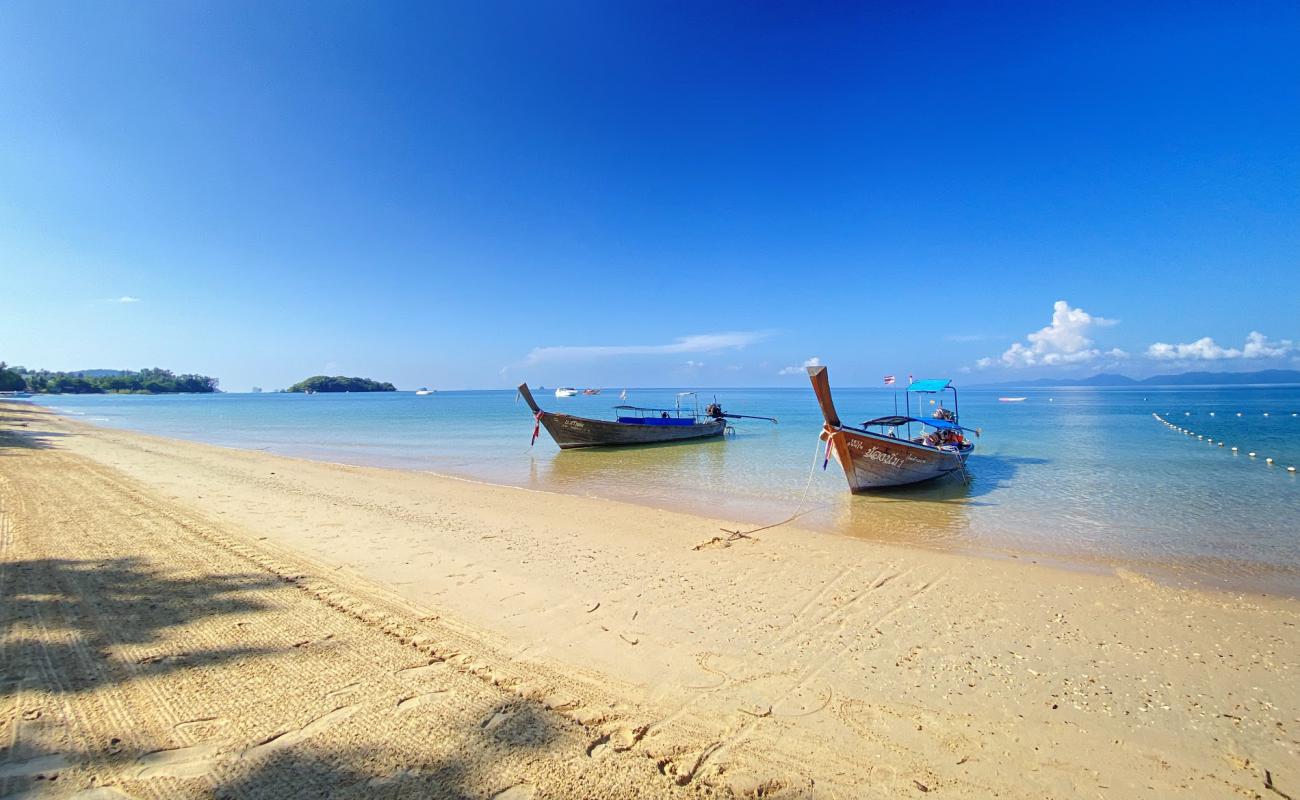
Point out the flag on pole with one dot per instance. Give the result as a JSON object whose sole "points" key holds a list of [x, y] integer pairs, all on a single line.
{"points": [[889, 380]]}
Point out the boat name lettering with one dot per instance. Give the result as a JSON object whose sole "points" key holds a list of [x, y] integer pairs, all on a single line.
{"points": [[876, 454]]}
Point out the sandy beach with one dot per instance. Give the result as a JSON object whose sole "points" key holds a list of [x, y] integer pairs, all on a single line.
{"points": [[183, 620]]}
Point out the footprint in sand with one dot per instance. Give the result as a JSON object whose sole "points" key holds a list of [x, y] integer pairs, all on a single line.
{"points": [[32, 766], [101, 793], [181, 762], [201, 728], [497, 719], [349, 689], [415, 701], [422, 672], [291, 738]]}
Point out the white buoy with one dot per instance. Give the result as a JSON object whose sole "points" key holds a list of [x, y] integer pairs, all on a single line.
{"points": [[1239, 413], [1251, 454], [1266, 413], [1198, 436], [1211, 413], [1234, 449], [1187, 413], [1221, 445], [1268, 461], [1290, 469]]}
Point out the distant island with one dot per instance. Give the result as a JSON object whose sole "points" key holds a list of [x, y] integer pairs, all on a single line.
{"points": [[338, 383], [1267, 376], [103, 381]]}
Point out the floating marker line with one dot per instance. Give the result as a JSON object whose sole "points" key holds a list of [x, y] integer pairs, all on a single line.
{"points": [[1267, 461]]}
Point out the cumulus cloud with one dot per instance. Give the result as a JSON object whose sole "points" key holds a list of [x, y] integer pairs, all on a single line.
{"points": [[698, 343], [1067, 340], [1257, 345], [126, 298], [812, 362]]}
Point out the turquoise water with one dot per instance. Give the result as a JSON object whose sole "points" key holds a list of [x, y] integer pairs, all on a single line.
{"points": [[1071, 476]]}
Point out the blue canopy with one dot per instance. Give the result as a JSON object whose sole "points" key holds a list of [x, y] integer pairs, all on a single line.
{"points": [[941, 424], [929, 386]]}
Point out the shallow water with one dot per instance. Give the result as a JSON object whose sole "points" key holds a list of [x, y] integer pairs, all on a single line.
{"points": [[1073, 476]]}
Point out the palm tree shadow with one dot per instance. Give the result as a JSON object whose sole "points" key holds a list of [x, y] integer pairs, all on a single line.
{"points": [[70, 624]]}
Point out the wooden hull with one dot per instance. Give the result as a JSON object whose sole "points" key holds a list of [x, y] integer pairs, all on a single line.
{"points": [[872, 461], [572, 432]]}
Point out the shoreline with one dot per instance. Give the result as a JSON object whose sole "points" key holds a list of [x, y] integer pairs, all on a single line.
{"points": [[791, 662], [1232, 576]]}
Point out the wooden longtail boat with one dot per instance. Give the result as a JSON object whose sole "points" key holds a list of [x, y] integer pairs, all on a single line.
{"points": [[876, 459], [646, 426], [632, 425]]}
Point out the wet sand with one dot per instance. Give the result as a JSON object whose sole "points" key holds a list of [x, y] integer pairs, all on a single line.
{"points": [[186, 620]]}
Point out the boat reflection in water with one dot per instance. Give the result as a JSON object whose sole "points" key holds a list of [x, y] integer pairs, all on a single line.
{"points": [[663, 467]]}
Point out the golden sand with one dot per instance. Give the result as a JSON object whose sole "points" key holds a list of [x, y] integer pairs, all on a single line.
{"points": [[186, 620]]}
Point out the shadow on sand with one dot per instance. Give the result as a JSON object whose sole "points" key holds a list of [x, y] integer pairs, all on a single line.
{"points": [[65, 622]]}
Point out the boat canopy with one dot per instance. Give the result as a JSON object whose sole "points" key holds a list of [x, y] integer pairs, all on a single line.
{"points": [[897, 421], [930, 385], [640, 408]]}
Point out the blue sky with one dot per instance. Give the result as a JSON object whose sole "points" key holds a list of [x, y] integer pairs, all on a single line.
{"points": [[473, 194]]}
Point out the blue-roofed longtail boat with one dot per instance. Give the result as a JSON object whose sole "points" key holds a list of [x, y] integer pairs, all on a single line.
{"points": [[632, 424], [883, 452]]}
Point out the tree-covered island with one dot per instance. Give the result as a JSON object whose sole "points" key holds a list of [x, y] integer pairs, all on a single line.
{"points": [[338, 383], [103, 381]]}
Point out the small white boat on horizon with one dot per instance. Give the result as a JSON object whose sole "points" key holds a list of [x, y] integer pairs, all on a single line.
{"points": [[423, 391], [1012, 399], [566, 391]]}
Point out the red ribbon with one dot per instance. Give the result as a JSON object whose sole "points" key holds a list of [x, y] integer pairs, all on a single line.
{"points": [[537, 426], [827, 459]]}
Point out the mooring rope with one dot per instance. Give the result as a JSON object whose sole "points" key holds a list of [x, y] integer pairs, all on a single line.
{"points": [[798, 511]]}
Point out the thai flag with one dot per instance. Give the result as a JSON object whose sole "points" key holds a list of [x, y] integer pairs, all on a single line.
{"points": [[889, 380]]}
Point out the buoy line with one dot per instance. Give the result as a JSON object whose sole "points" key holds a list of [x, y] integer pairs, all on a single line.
{"points": [[1209, 440]]}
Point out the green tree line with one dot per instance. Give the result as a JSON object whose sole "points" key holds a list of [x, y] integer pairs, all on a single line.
{"points": [[338, 383], [146, 381]]}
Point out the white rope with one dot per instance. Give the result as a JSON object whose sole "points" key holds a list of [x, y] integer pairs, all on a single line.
{"points": [[798, 512]]}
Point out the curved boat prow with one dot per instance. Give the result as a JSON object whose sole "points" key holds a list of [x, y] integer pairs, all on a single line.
{"points": [[528, 398], [821, 384]]}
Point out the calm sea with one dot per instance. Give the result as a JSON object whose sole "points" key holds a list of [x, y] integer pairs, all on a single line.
{"points": [[1078, 477]]}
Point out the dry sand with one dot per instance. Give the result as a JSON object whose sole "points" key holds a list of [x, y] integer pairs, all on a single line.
{"points": [[187, 620]]}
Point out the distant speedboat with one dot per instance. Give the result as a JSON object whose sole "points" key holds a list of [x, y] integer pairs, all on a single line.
{"points": [[423, 391], [1012, 399], [591, 391], [566, 391]]}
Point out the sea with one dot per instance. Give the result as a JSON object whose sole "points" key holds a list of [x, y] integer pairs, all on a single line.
{"points": [[1082, 478]]}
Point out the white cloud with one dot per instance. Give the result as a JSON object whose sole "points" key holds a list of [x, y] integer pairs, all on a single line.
{"points": [[126, 298], [694, 364], [1066, 341], [812, 362], [698, 343], [1257, 345]]}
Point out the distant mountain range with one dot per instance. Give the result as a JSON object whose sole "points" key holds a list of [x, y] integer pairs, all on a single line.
{"points": [[1181, 379]]}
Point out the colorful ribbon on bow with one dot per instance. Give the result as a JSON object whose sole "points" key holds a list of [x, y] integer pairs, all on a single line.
{"points": [[537, 427]]}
